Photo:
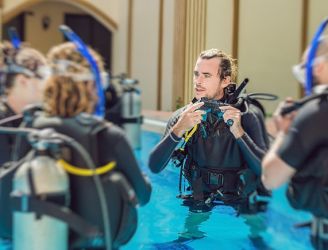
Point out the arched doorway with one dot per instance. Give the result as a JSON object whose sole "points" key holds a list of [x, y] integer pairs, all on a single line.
{"points": [[37, 23]]}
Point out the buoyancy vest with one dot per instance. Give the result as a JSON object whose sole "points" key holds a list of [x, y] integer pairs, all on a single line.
{"points": [[84, 199], [308, 189], [215, 164], [87, 129]]}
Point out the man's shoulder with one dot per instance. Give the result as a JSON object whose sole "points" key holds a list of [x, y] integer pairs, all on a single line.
{"points": [[315, 107]]}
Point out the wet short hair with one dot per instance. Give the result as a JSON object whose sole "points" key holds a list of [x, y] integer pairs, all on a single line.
{"points": [[65, 94], [228, 66], [24, 57]]}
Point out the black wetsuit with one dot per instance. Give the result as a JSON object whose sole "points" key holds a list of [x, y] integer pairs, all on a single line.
{"points": [[7, 142], [305, 148], [307, 134], [219, 150], [108, 144]]}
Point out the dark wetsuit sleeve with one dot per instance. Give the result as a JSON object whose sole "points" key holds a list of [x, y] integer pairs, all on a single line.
{"points": [[161, 154], [127, 163], [307, 134], [253, 143], [5, 149]]}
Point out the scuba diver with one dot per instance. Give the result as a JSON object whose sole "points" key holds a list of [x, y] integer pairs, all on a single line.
{"points": [[23, 72], [299, 153], [70, 98], [218, 140]]}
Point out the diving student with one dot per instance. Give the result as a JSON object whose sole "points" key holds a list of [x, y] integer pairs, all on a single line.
{"points": [[299, 153], [69, 100], [220, 162]]}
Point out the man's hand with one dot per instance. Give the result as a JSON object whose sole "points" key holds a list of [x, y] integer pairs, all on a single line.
{"points": [[234, 115], [190, 117], [283, 123]]}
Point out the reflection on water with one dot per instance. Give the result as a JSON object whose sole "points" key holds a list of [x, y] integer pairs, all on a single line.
{"points": [[192, 226]]}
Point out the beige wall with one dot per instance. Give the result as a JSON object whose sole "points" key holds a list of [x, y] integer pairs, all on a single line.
{"points": [[167, 58], [145, 49], [120, 40], [269, 44], [318, 10], [36, 35], [219, 25]]}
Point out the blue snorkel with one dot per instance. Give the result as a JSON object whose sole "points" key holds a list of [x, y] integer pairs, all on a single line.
{"points": [[14, 38], [82, 48], [311, 57]]}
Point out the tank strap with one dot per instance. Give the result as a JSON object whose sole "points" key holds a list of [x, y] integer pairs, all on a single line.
{"points": [[25, 203], [51, 204], [319, 228], [84, 171]]}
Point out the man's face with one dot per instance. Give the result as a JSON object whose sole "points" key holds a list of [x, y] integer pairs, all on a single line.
{"points": [[319, 70], [206, 79]]}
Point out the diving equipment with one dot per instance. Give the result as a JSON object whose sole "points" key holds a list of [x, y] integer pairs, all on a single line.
{"points": [[40, 178], [297, 104], [131, 112]]}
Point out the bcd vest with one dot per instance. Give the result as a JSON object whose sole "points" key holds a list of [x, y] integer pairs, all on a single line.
{"points": [[308, 189], [215, 162]]}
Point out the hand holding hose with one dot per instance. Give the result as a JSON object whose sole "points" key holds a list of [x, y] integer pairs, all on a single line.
{"points": [[189, 118], [283, 121], [232, 117]]}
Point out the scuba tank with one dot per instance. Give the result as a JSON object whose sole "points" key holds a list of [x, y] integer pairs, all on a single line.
{"points": [[123, 107], [131, 112], [37, 180]]}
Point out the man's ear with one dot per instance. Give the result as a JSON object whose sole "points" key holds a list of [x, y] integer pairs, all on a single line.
{"points": [[226, 81]]}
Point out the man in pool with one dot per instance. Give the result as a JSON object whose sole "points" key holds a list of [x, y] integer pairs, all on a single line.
{"points": [[221, 159], [299, 153]]}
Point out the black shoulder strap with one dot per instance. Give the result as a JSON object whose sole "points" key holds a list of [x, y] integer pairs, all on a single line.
{"points": [[33, 203], [96, 129], [297, 104], [75, 222]]}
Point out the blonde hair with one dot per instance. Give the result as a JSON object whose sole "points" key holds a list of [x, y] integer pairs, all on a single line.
{"points": [[66, 93]]}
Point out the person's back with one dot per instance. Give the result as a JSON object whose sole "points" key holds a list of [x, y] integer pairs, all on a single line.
{"points": [[299, 153], [69, 100], [106, 144], [312, 160]]}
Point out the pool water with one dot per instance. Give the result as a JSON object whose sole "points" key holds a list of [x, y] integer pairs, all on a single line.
{"points": [[165, 224]]}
